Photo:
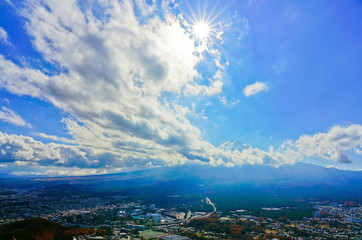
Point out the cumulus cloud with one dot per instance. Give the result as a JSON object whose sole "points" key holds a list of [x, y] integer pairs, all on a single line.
{"points": [[113, 72], [8, 115], [20, 149], [331, 145], [4, 36], [24, 155], [255, 88]]}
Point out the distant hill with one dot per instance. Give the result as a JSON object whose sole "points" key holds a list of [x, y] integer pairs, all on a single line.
{"points": [[39, 229], [301, 173]]}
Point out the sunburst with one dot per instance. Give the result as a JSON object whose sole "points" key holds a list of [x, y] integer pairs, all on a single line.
{"points": [[201, 30], [203, 27]]}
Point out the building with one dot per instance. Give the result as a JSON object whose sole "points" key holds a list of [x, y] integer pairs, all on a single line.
{"points": [[174, 237], [138, 227]]}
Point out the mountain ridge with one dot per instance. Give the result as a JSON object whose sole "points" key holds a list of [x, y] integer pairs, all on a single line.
{"points": [[298, 172]]}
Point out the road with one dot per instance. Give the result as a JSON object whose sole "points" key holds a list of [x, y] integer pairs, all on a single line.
{"points": [[208, 201], [188, 217]]}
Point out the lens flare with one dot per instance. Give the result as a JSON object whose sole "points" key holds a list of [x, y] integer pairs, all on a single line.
{"points": [[201, 30]]}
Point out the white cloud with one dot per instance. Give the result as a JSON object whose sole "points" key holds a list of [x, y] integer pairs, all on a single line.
{"points": [[145, 8], [25, 151], [255, 88], [22, 149], [55, 138], [331, 145], [4, 36], [228, 103], [65, 171], [8, 115], [332, 166], [114, 71], [24, 155]]}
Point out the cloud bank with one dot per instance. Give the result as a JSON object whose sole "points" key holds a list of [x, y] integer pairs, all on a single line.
{"points": [[35, 157]]}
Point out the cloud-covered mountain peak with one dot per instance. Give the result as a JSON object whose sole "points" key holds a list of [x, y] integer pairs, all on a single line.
{"points": [[232, 146]]}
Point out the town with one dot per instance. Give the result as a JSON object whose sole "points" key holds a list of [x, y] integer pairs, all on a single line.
{"points": [[118, 217]]}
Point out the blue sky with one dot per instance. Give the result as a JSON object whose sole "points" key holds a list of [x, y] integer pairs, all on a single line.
{"points": [[97, 87]]}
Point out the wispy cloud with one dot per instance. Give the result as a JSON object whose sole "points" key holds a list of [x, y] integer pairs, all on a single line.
{"points": [[55, 138], [255, 88], [4, 37], [8, 115], [279, 66]]}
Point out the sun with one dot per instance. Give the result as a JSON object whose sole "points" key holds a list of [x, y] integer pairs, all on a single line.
{"points": [[204, 27], [201, 30]]}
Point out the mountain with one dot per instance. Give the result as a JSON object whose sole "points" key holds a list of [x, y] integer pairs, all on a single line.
{"points": [[294, 173], [249, 186], [232, 146], [299, 172]]}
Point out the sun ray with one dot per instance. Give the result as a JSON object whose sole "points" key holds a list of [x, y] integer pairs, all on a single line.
{"points": [[211, 14], [216, 15]]}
